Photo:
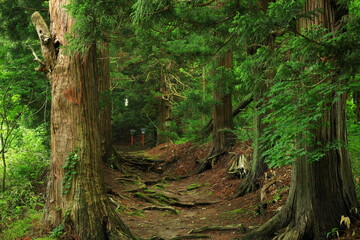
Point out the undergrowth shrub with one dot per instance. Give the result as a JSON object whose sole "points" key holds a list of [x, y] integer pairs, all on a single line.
{"points": [[23, 200], [354, 143]]}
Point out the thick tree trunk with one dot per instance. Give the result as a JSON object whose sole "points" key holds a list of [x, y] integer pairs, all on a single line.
{"points": [[322, 191], [105, 101], [76, 197], [223, 137], [164, 112]]}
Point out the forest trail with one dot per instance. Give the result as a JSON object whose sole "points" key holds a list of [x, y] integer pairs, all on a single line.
{"points": [[166, 200]]}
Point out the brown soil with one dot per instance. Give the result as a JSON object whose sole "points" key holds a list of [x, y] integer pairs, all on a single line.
{"points": [[193, 201]]}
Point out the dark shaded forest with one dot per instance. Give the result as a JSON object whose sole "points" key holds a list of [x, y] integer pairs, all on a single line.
{"points": [[179, 119]]}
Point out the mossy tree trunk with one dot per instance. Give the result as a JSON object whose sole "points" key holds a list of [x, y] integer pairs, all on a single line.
{"points": [[76, 198], [322, 191]]}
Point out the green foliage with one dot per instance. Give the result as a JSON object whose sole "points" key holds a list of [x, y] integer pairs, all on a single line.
{"points": [[70, 170], [15, 18], [302, 87], [28, 157], [27, 164], [57, 232], [333, 233], [20, 227], [354, 143], [94, 20]]}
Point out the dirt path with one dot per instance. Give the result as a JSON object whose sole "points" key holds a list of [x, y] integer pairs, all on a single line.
{"points": [[169, 205]]}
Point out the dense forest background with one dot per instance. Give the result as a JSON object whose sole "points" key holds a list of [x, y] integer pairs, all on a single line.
{"points": [[206, 72]]}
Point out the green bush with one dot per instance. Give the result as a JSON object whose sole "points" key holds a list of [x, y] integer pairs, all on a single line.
{"points": [[27, 161], [28, 157]]}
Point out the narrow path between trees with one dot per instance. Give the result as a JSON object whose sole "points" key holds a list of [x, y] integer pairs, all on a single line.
{"points": [[163, 199]]}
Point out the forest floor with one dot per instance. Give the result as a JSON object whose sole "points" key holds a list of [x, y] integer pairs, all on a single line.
{"points": [[167, 200]]}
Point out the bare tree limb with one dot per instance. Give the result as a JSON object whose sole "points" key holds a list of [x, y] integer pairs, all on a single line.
{"points": [[42, 67]]}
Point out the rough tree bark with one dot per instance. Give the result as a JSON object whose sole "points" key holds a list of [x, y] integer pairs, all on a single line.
{"points": [[322, 191], [75, 193], [223, 138], [105, 100]]}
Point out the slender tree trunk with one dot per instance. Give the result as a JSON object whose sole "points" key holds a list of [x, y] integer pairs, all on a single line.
{"points": [[223, 138], [322, 191], [164, 112], [76, 197], [105, 100], [2, 145], [258, 166], [203, 88]]}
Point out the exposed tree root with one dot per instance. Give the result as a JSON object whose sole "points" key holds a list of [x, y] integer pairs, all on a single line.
{"points": [[247, 186], [124, 163], [196, 236], [153, 182], [162, 199], [165, 208], [208, 162], [240, 228], [269, 229]]}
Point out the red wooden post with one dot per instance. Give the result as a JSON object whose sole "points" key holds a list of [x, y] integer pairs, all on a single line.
{"points": [[143, 135], [132, 132]]}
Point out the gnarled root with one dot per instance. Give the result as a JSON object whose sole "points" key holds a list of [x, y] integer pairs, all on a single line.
{"points": [[248, 185], [269, 229]]}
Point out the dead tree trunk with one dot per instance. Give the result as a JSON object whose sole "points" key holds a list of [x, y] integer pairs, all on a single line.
{"points": [[76, 198]]}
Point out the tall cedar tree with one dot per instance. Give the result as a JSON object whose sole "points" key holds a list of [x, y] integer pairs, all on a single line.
{"points": [[321, 191], [222, 136], [76, 197], [258, 165]]}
